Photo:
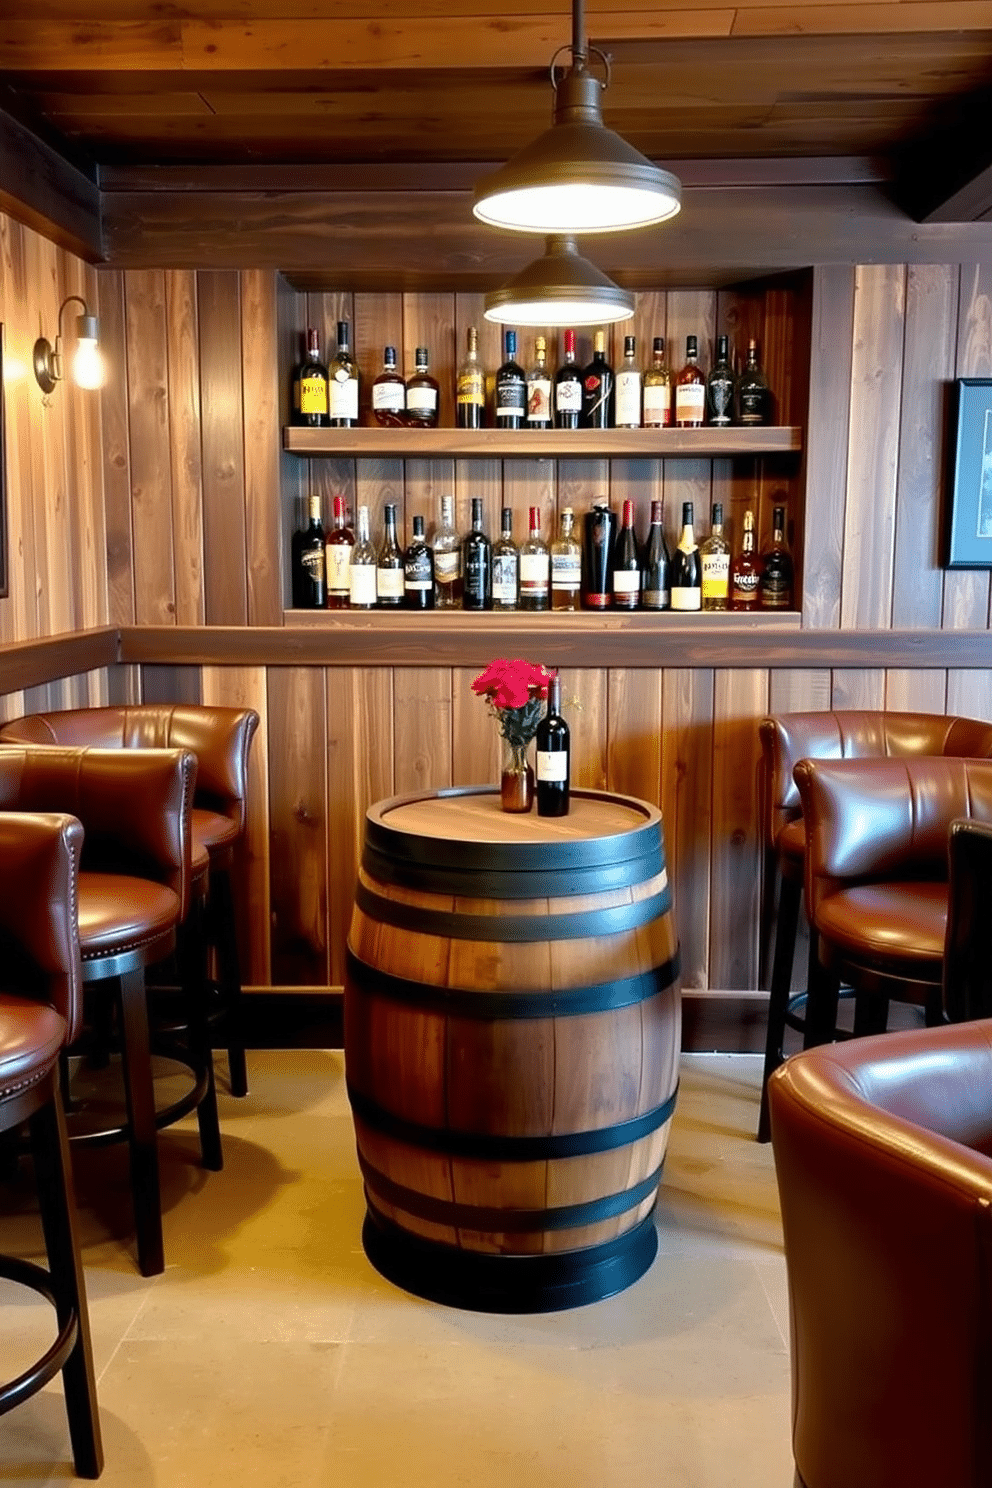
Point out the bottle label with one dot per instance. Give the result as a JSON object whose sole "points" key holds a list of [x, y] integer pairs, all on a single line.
{"points": [[421, 399], [686, 599], [471, 388], [447, 565], [344, 397], [338, 556], [313, 395], [566, 571], [568, 397], [721, 400], [655, 599], [389, 583], [534, 569], [388, 397], [626, 581], [597, 392], [690, 398], [363, 584], [776, 592], [752, 405], [505, 578], [511, 397], [628, 400], [716, 575], [657, 403], [552, 766], [746, 585], [539, 401], [312, 560]]}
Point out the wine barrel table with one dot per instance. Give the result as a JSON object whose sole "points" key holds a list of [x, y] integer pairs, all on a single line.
{"points": [[512, 1026]]}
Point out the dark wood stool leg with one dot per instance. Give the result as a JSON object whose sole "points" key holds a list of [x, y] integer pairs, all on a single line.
{"points": [[822, 994], [871, 1014], [790, 900], [50, 1149], [140, 1096], [193, 975], [229, 978]]}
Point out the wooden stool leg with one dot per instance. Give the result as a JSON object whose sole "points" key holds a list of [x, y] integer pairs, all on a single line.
{"points": [[140, 1096], [193, 975], [229, 978], [790, 900], [822, 993]]}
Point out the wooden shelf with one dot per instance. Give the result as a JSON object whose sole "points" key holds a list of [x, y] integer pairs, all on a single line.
{"points": [[386, 443]]}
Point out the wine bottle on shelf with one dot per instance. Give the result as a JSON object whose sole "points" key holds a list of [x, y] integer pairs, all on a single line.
{"points": [[506, 565], [720, 387], [745, 570], [597, 388], [685, 571], [477, 563], [389, 566], [389, 392], [657, 392], [337, 557], [446, 546], [775, 584], [597, 556], [422, 394], [310, 386], [418, 571], [539, 388], [342, 391], [363, 593], [511, 387], [568, 387], [535, 567], [690, 390], [655, 589], [566, 564], [627, 403], [754, 398], [470, 387], [553, 752], [309, 585], [626, 563], [714, 560]]}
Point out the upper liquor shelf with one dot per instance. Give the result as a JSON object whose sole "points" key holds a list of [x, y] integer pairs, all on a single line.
{"points": [[384, 443]]}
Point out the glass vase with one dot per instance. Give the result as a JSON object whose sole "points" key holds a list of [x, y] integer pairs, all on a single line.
{"points": [[517, 780]]}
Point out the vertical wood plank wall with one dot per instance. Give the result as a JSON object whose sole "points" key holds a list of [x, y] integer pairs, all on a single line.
{"points": [[167, 500]]}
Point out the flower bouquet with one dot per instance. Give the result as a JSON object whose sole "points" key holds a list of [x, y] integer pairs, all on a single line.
{"points": [[514, 691]]}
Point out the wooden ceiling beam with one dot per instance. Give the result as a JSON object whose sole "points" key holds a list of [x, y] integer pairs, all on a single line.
{"points": [[41, 189]]}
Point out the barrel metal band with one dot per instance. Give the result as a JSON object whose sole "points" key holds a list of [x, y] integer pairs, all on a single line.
{"points": [[610, 920], [483, 880], [505, 1221], [496, 1147], [461, 1002]]}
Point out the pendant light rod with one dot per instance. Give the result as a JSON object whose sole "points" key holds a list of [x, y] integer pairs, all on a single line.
{"points": [[579, 49]]}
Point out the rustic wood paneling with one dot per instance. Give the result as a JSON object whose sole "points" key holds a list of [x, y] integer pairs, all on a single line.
{"points": [[222, 401]]}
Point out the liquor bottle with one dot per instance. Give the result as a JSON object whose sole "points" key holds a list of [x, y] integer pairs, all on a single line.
{"points": [[310, 386], [720, 387], [422, 394], [389, 391], [363, 565], [342, 390], [553, 763], [745, 571], [690, 390], [754, 398], [337, 557], [506, 565], [511, 387], [566, 564], [655, 590], [628, 388], [568, 387], [389, 565], [535, 567], [597, 388], [470, 387], [309, 586], [597, 556], [658, 389], [775, 584], [626, 564], [477, 563], [539, 388], [685, 575], [714, 559], [418, 571], [446, 546]]}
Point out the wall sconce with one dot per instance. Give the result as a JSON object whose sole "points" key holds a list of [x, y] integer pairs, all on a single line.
{"points": [[87, 359]]}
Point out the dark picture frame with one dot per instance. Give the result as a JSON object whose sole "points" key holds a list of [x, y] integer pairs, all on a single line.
{"points": [[3, 482], [969, 514]]}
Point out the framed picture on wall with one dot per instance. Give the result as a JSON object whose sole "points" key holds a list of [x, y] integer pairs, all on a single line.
{"points": [[969, 521], [3, 484]]}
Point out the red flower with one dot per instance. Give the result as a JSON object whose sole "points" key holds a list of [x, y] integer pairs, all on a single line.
{"points": [[511, 684]]}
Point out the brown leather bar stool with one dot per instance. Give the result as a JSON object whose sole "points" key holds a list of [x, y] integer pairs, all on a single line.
{"points": [[876, 885], [41, 1004], [134, 889], [967, 949], [221, 740], [786, 738]]}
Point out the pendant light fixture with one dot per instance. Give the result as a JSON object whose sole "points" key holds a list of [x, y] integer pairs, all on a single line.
{"points": [[562, 288], [578, 176]]}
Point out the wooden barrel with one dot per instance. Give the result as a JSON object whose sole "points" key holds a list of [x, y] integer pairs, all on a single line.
{"points": [[512, 1034]]}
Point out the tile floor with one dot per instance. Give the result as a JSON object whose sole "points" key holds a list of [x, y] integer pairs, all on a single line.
{"points": [[270, 1353]]}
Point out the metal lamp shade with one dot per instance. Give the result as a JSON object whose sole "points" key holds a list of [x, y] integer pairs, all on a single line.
{"points": [[562, 289]]}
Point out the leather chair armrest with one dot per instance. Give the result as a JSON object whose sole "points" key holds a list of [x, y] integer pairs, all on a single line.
{"points": [[39, 916]]}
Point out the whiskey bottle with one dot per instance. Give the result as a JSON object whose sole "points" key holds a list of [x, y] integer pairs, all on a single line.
{"points": [[568, 387], [754, 398], [655, 588], [686, 572], [476, 563], [535, 567], [714, 558], [470, 387], [309, 586], [597, 388], [506, 565], [626, 564], [363, 566], [310, 386], [566, 564], [552, 756], [720, 387], [690, 391], [422, 394], [342, 391], [775, 584], [337, 557], [390, 567], [511, 387], [658, 389], [628, 388], [447, 549], [745, 571], [418, 571], [539, 388], [389, 392]]}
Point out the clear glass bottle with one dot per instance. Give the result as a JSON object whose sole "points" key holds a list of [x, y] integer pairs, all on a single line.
{"points": [[626, 563], [686, 571], [539, 388], [597, 388], [690, 390], [418, 571], [511, 387], [337, 556], [655, 586], [775, 584], [389, 392], [363, 566], [535, 567], [310, 386], [422, 394], [714, 558], [720, 387], [477, 563], [342, 391], [470, 387], [506, 565], [552, 756], [566, 564], [446, 546], [389, 568], [657, 392], [627, 403], [309, 585], [745, 570], [568, 387], [754, 397]]}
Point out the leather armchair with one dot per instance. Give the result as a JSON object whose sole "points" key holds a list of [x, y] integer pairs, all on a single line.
{"points": [[883, 1153], [967, 952]]}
